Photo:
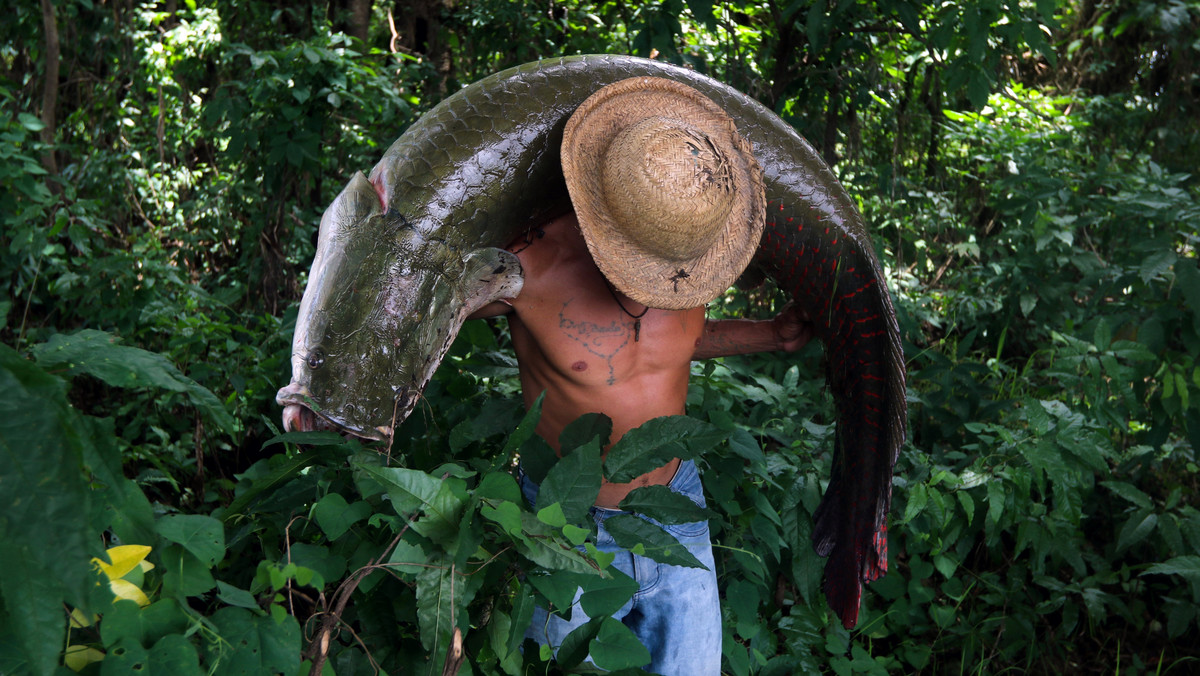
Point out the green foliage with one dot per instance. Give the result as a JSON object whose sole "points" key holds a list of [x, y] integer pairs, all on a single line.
{"points": [[1026, 167]]}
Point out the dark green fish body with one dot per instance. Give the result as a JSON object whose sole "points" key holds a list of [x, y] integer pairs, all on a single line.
{"points": [[404, 257]]}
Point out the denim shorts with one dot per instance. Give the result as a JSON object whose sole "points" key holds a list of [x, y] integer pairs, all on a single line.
{"points": [[676, 611]]}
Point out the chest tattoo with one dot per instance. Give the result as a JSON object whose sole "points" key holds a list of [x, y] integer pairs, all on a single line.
{"points": [[602, 340]]}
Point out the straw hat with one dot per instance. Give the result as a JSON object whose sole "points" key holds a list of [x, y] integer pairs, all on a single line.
{"points": [[669, 197]]}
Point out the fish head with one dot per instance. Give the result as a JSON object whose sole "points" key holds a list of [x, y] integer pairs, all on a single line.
{"points": [[383, 304]]}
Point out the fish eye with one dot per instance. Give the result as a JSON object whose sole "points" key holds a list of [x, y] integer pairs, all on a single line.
{"points": [[316, 359]]}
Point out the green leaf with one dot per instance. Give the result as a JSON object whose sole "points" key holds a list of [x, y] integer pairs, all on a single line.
{"points": [[1188, 277], [543, 545], [443, 594], [175, 655], [537, 457], [282, 473], [408, 489], [126, 656], [328, 565], [574, 534], [96, 353], [310, 439], [744, 444], [559, 588], [31, 122], [442, 516], [1186, 566], [995, 501], [252, 644], [44, 506], [574, 482], [574, 647], [183, 574], [144, 625], [505, 513], [663, 505], [604, 596], [629, 531], [201, 535], [743, 601], [616, 647], [233, 596], [552, 515], [498, 486], [655, 443], [32, 621], [587, 427], [1130, 493], [1136, 529], [526, 430], [522, 615], [335, 516], [1156, 264]]}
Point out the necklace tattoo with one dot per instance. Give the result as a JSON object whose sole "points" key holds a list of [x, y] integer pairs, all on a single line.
{"points": [[637, 319]]}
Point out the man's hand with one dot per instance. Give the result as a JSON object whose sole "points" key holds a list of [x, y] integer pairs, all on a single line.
{"points": [[793, 328]]}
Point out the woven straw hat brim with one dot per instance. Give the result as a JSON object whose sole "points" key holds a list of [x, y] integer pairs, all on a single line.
{"points": [[674, 279]]}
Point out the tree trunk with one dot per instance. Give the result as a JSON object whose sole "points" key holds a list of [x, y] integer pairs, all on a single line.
{"points": [[360, 19], [50, 93]]}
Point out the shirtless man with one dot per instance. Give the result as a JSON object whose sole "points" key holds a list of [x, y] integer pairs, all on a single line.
{"points": [[582, 339]]}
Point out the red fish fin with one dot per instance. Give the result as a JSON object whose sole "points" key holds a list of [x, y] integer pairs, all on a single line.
{"points": [[843, 589]]}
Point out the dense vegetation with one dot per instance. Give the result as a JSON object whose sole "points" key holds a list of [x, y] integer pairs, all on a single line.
{"points": [[1026, 168]]}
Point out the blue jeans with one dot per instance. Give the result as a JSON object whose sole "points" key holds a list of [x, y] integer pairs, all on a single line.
{"points": [[676, 611]]}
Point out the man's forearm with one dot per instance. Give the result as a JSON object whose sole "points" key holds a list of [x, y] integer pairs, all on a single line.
{"points": [[726, 337]]}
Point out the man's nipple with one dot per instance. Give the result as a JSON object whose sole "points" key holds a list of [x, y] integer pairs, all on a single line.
{"points": [[579, 366]]}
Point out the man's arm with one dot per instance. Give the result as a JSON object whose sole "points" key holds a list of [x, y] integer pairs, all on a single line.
{"points": [[493, 309], [788, 331]]}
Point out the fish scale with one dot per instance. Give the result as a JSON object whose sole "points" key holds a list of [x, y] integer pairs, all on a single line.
{"points": [[483, 167]]}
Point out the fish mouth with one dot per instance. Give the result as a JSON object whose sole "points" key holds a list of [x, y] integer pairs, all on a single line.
{"points": [[300, 416]]}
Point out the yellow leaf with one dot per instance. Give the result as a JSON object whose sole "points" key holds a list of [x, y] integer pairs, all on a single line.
{"points": [[79, 656], [124, 589], [124, 559], [79, 620]]}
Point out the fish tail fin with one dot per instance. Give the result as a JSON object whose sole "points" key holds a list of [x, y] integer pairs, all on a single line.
{"points": [[843, 588]]}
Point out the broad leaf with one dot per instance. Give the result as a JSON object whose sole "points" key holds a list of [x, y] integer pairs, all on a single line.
{"points": [[543, 545], [442, 516], [574, 482], [253, 644], [96, 353], [631, 533], [176, 656], [585, 428], [655, 443], [537, 457], [443, 594], [408, 489], [201, 535], [506, 514], [335, 516], [183, 574], [144, 625], [1187, 566], [604, 596], [616, 647], [575, 645], [498, 486], [663, 505], [522, 615], [526, 429], [559, 587]]}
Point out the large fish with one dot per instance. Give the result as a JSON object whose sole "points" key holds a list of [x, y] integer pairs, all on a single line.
{"points": [[404, 256]]}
